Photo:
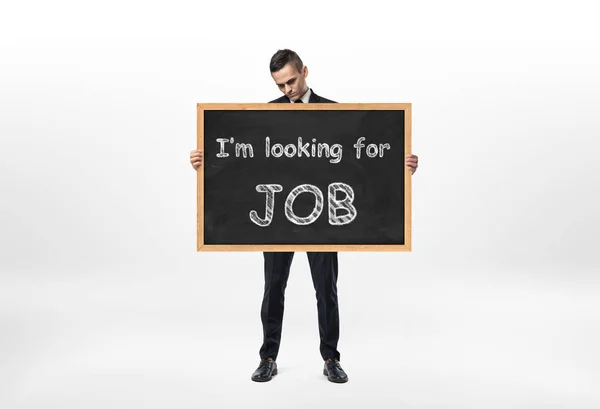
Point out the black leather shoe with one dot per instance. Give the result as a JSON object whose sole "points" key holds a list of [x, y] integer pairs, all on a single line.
{"points": [[265, 371], [334, 372]]}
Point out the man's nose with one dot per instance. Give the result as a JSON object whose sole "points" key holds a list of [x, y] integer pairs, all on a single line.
{"points": [[287, 89]]}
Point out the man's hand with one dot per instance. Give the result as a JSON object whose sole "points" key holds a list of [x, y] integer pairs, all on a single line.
{"points": [[412, 162], [196, 158]]}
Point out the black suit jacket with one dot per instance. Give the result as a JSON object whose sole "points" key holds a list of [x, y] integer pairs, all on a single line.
{"points": [[313, 98]]}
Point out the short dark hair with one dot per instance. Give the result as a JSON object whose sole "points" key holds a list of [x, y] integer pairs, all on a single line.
{"points": [[283, 57]]}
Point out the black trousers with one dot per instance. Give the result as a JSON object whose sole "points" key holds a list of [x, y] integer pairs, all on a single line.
{"points": [[324, 271]]}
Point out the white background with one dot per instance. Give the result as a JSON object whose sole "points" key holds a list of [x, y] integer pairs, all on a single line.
{"points": [[105, 303]]}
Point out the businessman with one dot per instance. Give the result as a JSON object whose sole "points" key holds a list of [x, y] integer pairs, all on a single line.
{"points": [[289, 73]]}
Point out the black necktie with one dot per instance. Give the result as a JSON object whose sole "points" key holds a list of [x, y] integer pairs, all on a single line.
{"points": [[298, 101]]}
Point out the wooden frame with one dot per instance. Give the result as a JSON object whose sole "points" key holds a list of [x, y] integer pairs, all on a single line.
{"points": [[306, 247]]}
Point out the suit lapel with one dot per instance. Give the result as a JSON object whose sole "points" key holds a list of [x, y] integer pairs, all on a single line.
{"points": [[314, 97]]}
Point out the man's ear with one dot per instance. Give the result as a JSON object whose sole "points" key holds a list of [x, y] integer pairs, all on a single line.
{"points": [[305, 71]]}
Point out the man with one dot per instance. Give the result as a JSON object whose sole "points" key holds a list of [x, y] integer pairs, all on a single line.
{"points": [[289, 73]]}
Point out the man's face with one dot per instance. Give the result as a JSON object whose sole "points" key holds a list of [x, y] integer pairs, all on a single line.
{"points": [[290, 81]]}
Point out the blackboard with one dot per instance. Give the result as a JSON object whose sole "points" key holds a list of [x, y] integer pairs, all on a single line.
{"points": [[333, 175]]}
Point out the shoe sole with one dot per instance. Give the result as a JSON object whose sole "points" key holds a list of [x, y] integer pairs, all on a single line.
{"points": [[265, 379]]}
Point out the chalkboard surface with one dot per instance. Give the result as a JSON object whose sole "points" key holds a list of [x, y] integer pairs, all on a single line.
{"points": [[304, 177]]}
